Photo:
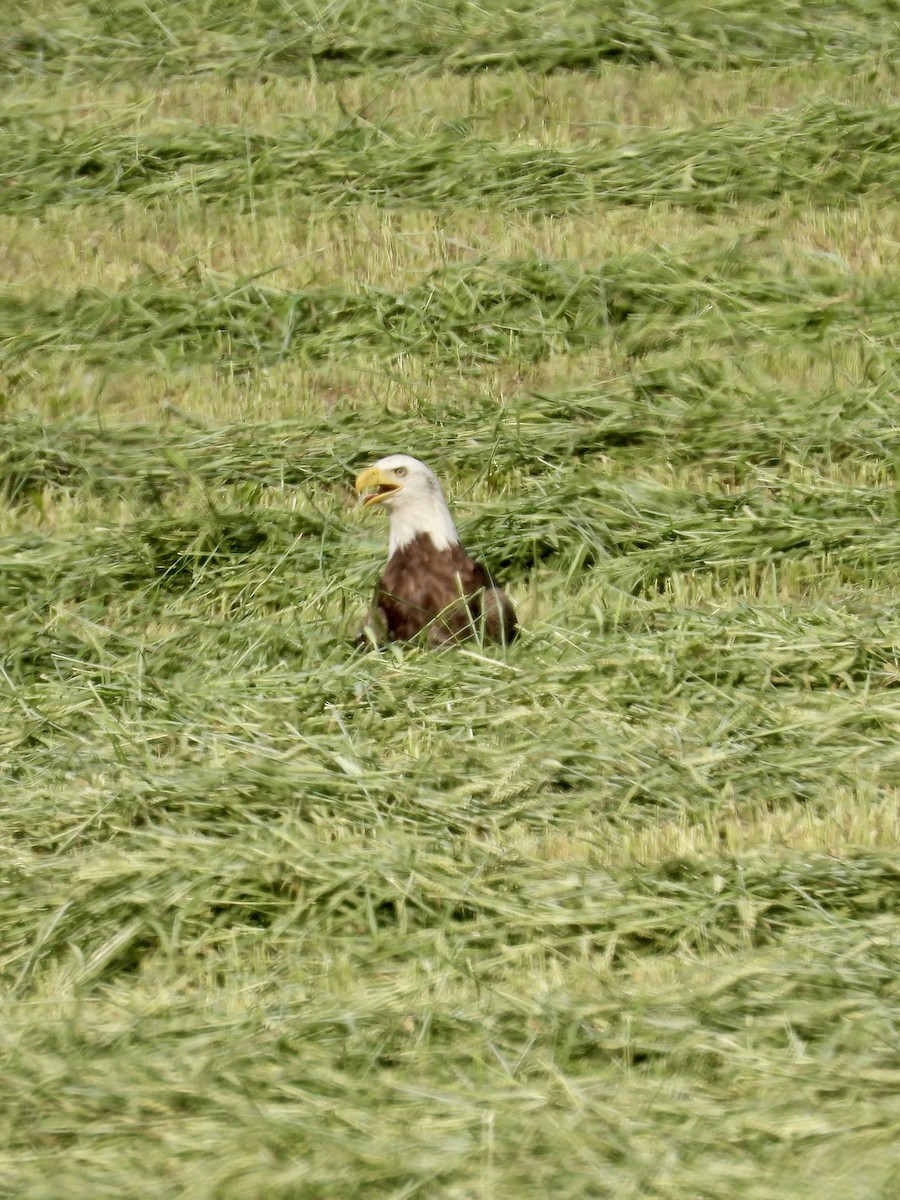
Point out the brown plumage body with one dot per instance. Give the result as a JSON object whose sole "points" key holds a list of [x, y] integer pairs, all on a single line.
{"points": [[443, 591]]}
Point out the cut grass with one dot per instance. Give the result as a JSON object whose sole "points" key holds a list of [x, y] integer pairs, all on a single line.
{"points": [[672, 1052], [239, 39], [611, 912], [818, 153], [674, 408], [478, 312]]}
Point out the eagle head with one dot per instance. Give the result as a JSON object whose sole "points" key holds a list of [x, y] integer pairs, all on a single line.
{"points": [[412, 495], [397, 480]]}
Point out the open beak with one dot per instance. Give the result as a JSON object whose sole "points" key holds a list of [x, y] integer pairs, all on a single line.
{"points": [[372, 478]]}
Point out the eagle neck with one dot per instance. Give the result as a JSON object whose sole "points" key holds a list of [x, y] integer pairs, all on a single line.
{"points": [[409, 523]]}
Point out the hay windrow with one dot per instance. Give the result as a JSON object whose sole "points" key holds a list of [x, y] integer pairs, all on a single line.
{"points": [[815, 153], [334, 41]]}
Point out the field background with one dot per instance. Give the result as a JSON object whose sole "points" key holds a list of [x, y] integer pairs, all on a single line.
{"points": [[612, 913]]}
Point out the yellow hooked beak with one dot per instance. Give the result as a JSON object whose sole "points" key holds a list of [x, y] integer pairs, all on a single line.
{"points": [[383, 483]]}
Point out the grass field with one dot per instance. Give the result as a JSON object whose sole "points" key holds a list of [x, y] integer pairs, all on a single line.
{"points": [[609, 913]]}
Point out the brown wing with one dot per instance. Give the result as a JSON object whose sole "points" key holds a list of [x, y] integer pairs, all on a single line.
{"points": [[443, 591]]}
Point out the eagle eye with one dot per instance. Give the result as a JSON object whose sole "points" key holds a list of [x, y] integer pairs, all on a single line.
{"points": [[400, 471]]}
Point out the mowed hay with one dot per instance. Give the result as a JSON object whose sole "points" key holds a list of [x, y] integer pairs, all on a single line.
{"points": [[610, 912], [476, 313], [238, 39], [817, 152]]}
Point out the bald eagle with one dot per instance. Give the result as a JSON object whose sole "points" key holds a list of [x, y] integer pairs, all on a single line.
{"points": [[430, 582]]}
